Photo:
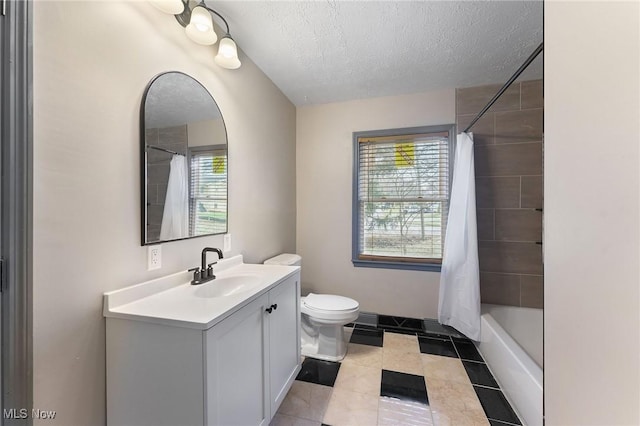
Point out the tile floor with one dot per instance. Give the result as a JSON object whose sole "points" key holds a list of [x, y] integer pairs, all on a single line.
{"points": [[397, 374]]}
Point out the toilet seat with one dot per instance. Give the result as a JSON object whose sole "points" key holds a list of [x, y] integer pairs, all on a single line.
{"points": [[329, 302], [329, 307]]}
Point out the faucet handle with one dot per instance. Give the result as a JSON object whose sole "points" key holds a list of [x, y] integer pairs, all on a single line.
{"points": [[210, 270], [196, 273]]}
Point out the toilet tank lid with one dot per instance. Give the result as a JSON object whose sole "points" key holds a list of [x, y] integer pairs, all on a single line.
{"points": [[284, 259], [330, 302]]}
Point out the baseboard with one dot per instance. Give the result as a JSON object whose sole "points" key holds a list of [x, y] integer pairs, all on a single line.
{"points": [[367, 318], [429, 325]]}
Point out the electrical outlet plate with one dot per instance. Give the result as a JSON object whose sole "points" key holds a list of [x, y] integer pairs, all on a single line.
{"points": [[227, 242], [154, 258]]}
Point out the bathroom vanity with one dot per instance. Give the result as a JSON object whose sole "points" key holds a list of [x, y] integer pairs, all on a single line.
{"points": [[221, 353]]}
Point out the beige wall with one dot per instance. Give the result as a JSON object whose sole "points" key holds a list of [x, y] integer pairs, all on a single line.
{"points": [[92, 61], [207, 132], [592, 194], [324, 184]]}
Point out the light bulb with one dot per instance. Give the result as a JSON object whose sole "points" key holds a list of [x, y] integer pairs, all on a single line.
{"points": [[201, 18], [227, 56], [200, 28], [228, 50]]}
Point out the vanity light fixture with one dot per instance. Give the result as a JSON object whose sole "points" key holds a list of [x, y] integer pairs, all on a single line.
{"points": [[198, 23]]}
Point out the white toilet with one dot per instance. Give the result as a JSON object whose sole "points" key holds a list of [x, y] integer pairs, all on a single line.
{"points": [[323, 318]]}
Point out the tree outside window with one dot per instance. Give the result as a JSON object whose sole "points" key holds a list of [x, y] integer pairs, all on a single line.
{"points": [[401, 195]]}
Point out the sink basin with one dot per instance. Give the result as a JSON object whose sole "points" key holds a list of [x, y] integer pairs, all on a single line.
{"points": [[227, 286]]}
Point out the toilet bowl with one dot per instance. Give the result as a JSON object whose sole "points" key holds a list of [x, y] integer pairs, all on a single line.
{"points": [[323, 317]]}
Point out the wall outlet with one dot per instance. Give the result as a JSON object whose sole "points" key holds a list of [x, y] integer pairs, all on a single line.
{"points": [[227, 243], [154, 258]]}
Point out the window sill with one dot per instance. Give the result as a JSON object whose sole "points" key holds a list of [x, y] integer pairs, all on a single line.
{"points": [[432, 267]]}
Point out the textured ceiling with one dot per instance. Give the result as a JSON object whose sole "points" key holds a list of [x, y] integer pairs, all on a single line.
{"points": [[175, 99], [328, 51]]}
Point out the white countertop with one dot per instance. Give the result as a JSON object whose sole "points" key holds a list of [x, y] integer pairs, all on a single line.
{"points": [[171, 300]]}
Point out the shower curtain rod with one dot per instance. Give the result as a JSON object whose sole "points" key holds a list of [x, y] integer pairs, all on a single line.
{"points": [[164, 149], [506, 86]]}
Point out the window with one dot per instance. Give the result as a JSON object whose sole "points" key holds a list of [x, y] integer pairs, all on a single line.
{"points": [[208, 190], [401, 196]]}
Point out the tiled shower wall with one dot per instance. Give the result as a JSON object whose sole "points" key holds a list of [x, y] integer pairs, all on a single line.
{"points": [[174, 139], [509, 195]]}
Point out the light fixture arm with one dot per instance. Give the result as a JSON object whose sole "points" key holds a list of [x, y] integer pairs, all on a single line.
{"points": [[216, 13], [199, 27], [184, 18]]}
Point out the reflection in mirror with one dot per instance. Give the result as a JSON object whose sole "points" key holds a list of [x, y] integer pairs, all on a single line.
{"points": [[184, 161]]}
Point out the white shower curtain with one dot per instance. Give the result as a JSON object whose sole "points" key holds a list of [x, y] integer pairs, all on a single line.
{"points": [[175, 218], [459, 304]]}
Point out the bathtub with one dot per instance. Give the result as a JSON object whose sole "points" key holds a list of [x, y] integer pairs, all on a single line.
{"points": [[511, 344]]}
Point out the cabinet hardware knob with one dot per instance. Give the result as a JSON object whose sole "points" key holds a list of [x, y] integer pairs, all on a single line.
{"points": [[274, 306], [269, 309]]}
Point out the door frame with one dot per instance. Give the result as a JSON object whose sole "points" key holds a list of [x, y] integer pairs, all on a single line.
{"points": [[16, 206]]}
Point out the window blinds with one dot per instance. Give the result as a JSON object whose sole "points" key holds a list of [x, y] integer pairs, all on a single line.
{"points": [[208, 192], [403, 193]]}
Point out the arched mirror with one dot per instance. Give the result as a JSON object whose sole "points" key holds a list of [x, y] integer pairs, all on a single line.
{"points": [[183, 161]]}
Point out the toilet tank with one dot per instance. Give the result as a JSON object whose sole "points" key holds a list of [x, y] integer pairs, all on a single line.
{"points": [[286, 259]]}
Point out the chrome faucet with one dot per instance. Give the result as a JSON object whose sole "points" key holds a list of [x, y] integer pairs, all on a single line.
{"points": [[205, 272]]}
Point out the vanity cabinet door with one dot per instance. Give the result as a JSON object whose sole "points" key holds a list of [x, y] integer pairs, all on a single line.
{"points": [[236, 354], [284, 339]]}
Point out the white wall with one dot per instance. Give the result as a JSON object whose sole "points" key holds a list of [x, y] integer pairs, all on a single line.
{"points": [[592, 195], [92, 61], [324, 184]]}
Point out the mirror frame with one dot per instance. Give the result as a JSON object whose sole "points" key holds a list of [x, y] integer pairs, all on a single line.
{"points": [[143, 164]]}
